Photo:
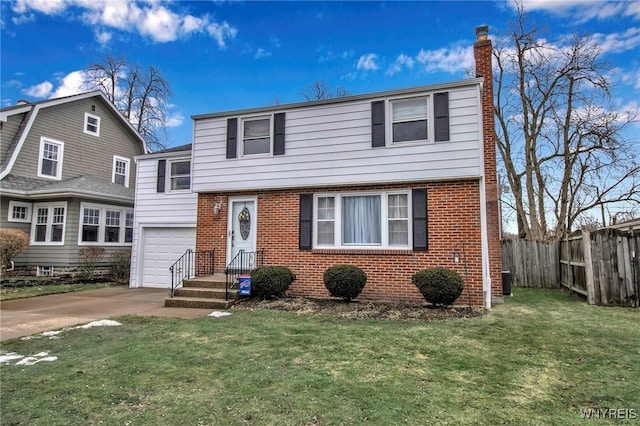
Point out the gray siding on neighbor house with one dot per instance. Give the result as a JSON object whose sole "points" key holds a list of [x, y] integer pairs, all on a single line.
{"points": [[8, 133], [331, 144], [66, 255], [84, 154]]}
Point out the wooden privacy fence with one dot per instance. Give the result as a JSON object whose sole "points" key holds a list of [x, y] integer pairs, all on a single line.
{"points": [[532, 263], [603, 265]]}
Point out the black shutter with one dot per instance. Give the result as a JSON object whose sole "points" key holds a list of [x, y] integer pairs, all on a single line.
{"points": [[232, 138], [162, 173], [278, 134], [377, 124], [420, 231], [306, 221], [441, 113]]}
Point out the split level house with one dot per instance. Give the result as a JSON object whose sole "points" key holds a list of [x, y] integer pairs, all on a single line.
{"points": [[392, 182], [67, 179]]}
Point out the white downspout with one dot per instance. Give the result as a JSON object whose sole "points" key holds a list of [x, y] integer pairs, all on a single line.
{"points": [[486, 275]]}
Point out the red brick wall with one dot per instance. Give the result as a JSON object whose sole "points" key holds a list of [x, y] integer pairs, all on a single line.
{"points": [[454, 220], [483, 58]]}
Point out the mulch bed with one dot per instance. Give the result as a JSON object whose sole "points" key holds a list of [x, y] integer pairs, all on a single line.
{"points": [[360, 310]]}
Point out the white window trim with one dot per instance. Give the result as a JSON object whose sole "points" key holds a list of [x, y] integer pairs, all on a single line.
{"points": [[102, 224], [44, 271], [86, 123], [34, 222], [13, 204], [430, 120], [385, 220], [168, 174], [252, 118], [44, 141], [117, 158]]}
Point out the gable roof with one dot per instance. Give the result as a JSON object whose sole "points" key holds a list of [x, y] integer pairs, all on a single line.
{"points": [[86, 186], [31, 110]]}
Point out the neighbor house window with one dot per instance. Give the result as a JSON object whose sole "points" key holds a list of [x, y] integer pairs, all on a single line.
{"points": [[121, 171], [44, 271], [180, 175], [50, 164], [102, 224], [19, 212], [256, 135], [409, 119], [91, 124], [354, 220], [49, 223]]}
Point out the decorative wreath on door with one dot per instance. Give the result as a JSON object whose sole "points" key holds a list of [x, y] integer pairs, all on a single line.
{"points": [[244, 218]]}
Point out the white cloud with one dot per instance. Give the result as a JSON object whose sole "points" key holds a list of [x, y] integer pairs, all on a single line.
{"points": [[175, 120], [619, 42], [153, 19], [368, 62], [452, 60], [71, 84], [581, 11], [103, 37], [401, 60], [48, 7], [261, 53], [39, 91]]}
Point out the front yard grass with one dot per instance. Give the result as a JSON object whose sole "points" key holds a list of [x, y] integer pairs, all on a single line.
{"points": [[539, 359], [10, 293]]}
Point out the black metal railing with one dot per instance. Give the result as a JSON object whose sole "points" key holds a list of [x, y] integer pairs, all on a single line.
{"points": [[192, 264], [242, 264]]}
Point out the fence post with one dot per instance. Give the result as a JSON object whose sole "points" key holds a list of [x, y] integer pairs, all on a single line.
{"points": [[588, 266]]}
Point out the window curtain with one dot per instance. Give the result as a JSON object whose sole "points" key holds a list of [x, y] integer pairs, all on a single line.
{"points": [[361, 220]]}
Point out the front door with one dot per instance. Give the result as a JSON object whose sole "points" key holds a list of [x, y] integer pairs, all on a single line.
{"points": [[241, 232]]}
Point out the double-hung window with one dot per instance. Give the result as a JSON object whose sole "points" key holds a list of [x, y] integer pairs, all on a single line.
{"points": [[50, 163], [102, 224], [180, 175], [91, 124], [256, 135], [363, 220], [409, 119], [121, 171], [49, 223]]}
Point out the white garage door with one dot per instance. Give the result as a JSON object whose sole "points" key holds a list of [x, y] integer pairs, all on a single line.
{"points": [[161, 248]]}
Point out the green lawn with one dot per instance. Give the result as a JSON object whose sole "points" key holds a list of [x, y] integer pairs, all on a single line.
{"points": [[10, 293], [536, 360]]}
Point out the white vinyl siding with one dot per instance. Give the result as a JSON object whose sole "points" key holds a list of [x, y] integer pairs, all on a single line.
{"points": [[19, 212], [91, 124], [330, 145], [362, 220], [104, 225], [50, 158], [48, 223], [121, 168]]}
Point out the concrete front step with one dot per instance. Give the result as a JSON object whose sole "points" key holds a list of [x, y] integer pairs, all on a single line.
{"points": [[205, 293], [197, 302], [211, 281]]}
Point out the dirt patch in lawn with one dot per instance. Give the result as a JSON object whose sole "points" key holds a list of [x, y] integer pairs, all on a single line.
{"points": [[360, 310]]}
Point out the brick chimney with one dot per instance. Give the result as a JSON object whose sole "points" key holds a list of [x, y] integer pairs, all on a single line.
{"points": [[482, 52]]}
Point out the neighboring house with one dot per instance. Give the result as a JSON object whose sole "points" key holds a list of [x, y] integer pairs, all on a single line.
{"points": [[67, 178], [392, 182], [165, 215]]}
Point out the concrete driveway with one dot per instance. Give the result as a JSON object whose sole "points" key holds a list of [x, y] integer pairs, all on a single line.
{"points": [[24, 317]]}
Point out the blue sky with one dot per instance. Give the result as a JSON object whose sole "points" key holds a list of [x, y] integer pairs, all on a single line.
{"points": [[220, 55]]}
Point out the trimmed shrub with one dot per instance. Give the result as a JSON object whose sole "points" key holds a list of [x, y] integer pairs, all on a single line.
{"points": [[120, 265], [12, 242], [271, 281], [439, 286], [344, 281]]}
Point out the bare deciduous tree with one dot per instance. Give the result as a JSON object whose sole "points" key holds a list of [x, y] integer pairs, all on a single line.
{"points": [[140, 94], [320, 89], [562, 146]]}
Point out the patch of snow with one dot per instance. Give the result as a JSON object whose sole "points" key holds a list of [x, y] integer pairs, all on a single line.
{"points": [[9, 357], [218, 314], [42, 356], [101, 323]]}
